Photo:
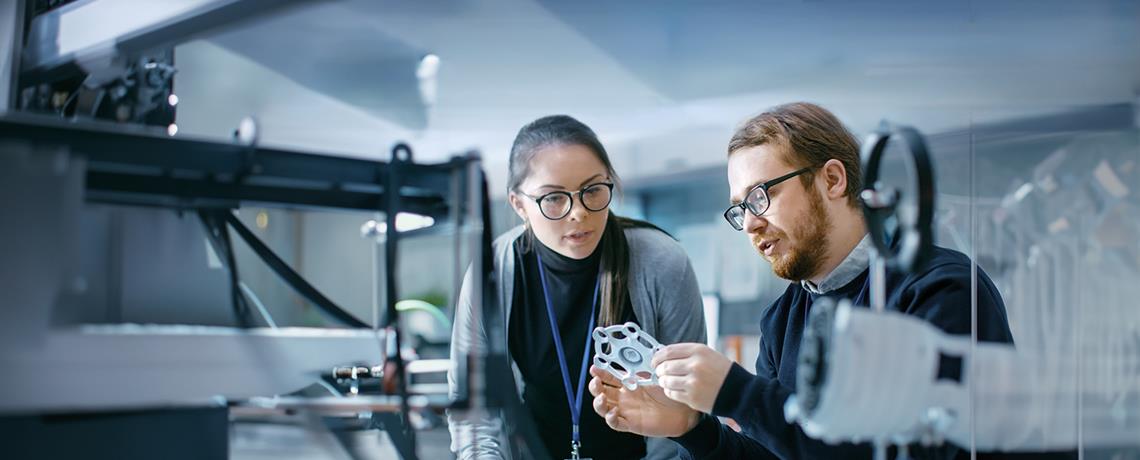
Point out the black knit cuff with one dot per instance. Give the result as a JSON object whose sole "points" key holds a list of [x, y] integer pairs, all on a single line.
{"points": [[731, 391], [703, 439]]}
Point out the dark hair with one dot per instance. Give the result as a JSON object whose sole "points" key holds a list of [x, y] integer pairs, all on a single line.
{"points": [[811, 134], [562, 130]]}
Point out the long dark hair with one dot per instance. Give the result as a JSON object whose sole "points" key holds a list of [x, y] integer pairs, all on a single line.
{"points": [[565, 130]]}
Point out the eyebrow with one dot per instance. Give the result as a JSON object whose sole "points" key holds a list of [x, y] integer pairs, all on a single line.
{"points": [[733, 200], [583, 184]]}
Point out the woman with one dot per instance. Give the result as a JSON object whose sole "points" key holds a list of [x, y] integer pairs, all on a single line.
{"points": [[576, 262]]}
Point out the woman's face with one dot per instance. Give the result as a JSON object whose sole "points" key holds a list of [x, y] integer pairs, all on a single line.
{"points": [[568, 168]]}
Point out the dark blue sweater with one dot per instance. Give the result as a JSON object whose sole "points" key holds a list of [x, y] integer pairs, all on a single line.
{"points": [[938, 293]]}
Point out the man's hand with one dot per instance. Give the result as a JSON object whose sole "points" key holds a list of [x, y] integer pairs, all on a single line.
{"points": [[691, 373], [644, 411]]}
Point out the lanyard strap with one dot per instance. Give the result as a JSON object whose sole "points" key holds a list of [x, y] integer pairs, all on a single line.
{"points": [[574, 401]]}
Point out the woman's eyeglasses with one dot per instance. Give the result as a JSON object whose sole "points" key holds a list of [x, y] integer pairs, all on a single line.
{"points": [[557, 205]]}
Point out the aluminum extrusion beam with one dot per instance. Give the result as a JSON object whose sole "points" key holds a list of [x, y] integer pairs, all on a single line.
{"points": [[130, 366], [92, 33]]}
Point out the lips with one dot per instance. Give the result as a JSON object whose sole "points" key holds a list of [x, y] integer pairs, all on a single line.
{"points": [[767, 246], [577, 237]]}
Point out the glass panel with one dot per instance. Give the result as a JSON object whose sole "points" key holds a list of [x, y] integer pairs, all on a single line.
{"points": [[1056, 227]]}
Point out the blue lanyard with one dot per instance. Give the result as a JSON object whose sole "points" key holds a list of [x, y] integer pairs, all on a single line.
{"points": [[574, 401]]}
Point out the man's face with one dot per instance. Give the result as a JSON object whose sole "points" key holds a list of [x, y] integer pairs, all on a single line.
{"points": [[792, 233]]}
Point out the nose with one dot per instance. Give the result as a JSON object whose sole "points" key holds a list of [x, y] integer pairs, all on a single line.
{"points": [[578, 211], [753, 224]]}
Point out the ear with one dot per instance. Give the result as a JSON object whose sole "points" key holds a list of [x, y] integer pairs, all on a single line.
{"points": [[517, 204], [834, 176]]}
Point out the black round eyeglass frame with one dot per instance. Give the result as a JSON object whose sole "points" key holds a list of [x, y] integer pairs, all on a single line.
{"points": [[570, 196], [763, 187]]}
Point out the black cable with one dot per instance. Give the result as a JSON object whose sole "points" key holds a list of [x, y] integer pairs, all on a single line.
{"points": [[291, 277], [241, 307], [222, 245]]}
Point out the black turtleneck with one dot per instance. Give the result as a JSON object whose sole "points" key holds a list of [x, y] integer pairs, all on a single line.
{"points": [[571, 287]]}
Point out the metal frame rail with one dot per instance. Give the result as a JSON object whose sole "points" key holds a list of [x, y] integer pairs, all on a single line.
{"points": [[140, 167]]}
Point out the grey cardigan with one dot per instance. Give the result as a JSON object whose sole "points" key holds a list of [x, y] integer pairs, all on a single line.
{"points": [[666, 300]]}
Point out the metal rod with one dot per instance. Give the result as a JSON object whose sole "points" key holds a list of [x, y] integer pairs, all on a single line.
{"points": [[476, 379], [334, 404], [878, 282], [391, 319]]}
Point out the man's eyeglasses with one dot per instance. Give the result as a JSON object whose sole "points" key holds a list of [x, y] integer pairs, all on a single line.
{"points": [[556, 205], [756, 201]]}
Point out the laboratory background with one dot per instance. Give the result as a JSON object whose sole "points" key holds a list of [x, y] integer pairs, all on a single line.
{"points": [[240, 228]]}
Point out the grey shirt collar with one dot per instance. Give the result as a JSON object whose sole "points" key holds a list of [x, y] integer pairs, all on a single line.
{"points": [[857, 261]]}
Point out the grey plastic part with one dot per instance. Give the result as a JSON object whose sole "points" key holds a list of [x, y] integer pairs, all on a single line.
{"points": [[630, 349]]}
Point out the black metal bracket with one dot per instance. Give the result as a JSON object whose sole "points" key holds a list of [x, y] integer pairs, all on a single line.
{"points": [[915, 239], [401, 155], [142, 167]]}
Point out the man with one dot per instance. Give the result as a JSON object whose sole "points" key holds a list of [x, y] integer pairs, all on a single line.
{"points": [[794, 177]]}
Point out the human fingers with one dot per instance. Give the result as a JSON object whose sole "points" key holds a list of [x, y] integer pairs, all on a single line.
{"points": [[674, 351]]}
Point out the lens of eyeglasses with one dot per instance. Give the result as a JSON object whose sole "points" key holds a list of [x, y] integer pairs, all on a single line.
{"points": [[756, 201], [735, 217], [596, 197], [555, 205]]}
